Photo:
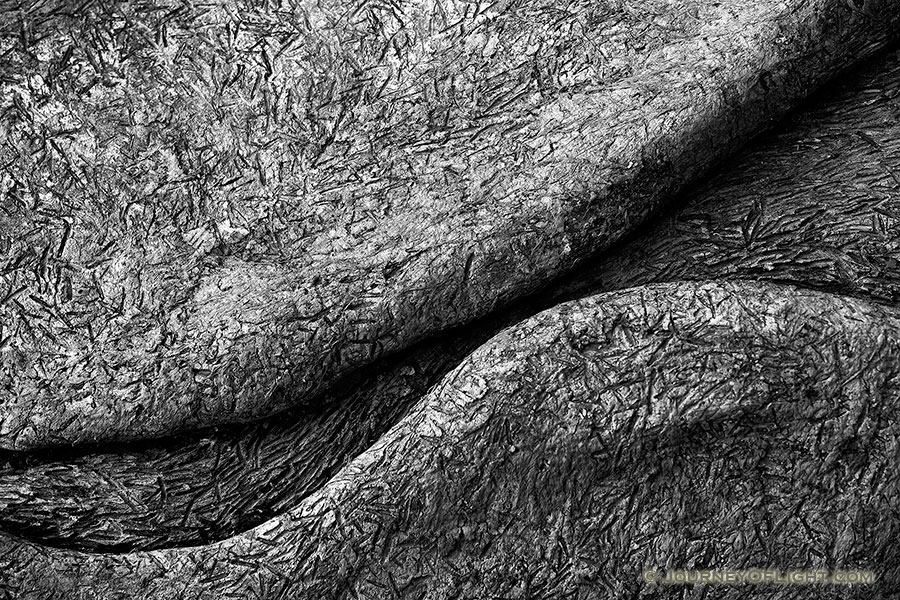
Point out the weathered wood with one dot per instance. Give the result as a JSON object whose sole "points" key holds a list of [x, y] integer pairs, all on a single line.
{"points": [[689, 424], [211, 212], [826, 190]]}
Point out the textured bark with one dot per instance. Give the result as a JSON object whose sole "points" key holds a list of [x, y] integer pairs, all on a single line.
{"points": [[813, 203], [211, 212], [207, 486], [828, 198], [691, 424]]}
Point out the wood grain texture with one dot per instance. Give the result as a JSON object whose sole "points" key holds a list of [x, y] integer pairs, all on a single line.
{"points": [[672, 424], [213, 211]]}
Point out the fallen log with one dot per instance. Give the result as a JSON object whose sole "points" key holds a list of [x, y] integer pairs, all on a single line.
{"points": [[691, 424], [213, 212]]}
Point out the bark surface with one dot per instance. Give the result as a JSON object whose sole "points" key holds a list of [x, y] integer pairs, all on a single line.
{"points": [[813, 203], [739, 423], [212, 212], [207, 486]]}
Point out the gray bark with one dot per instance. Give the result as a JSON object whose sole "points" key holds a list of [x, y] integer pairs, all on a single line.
{"points": [[211, 213], [812, 203], [825, 180], [673, 424], [206, 486]]}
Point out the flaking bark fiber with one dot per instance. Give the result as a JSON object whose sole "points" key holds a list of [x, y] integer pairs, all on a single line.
{"points": [[744, 423], [213, 211], [810, 203]]}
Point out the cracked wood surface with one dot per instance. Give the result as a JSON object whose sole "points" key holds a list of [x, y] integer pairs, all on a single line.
{"points": [[212, 212], [741, 422], [825, 180]]}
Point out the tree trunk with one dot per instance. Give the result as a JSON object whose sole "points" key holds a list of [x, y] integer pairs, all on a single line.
{"points": [[826, 197], [690, 424], [212, 212]]}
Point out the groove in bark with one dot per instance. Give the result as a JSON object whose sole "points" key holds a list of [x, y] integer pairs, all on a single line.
{"points": [[206, 486], [815, 202], [213, 212], [668, 424], [829, 197]]}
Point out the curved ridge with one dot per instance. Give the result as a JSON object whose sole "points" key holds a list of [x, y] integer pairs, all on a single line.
{"points": [[595, 438], [188, 262], [824, 188]]}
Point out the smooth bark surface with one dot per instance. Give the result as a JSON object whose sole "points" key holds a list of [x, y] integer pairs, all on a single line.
{"points": [[825, 180], [691, 424], [211, 212]]}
